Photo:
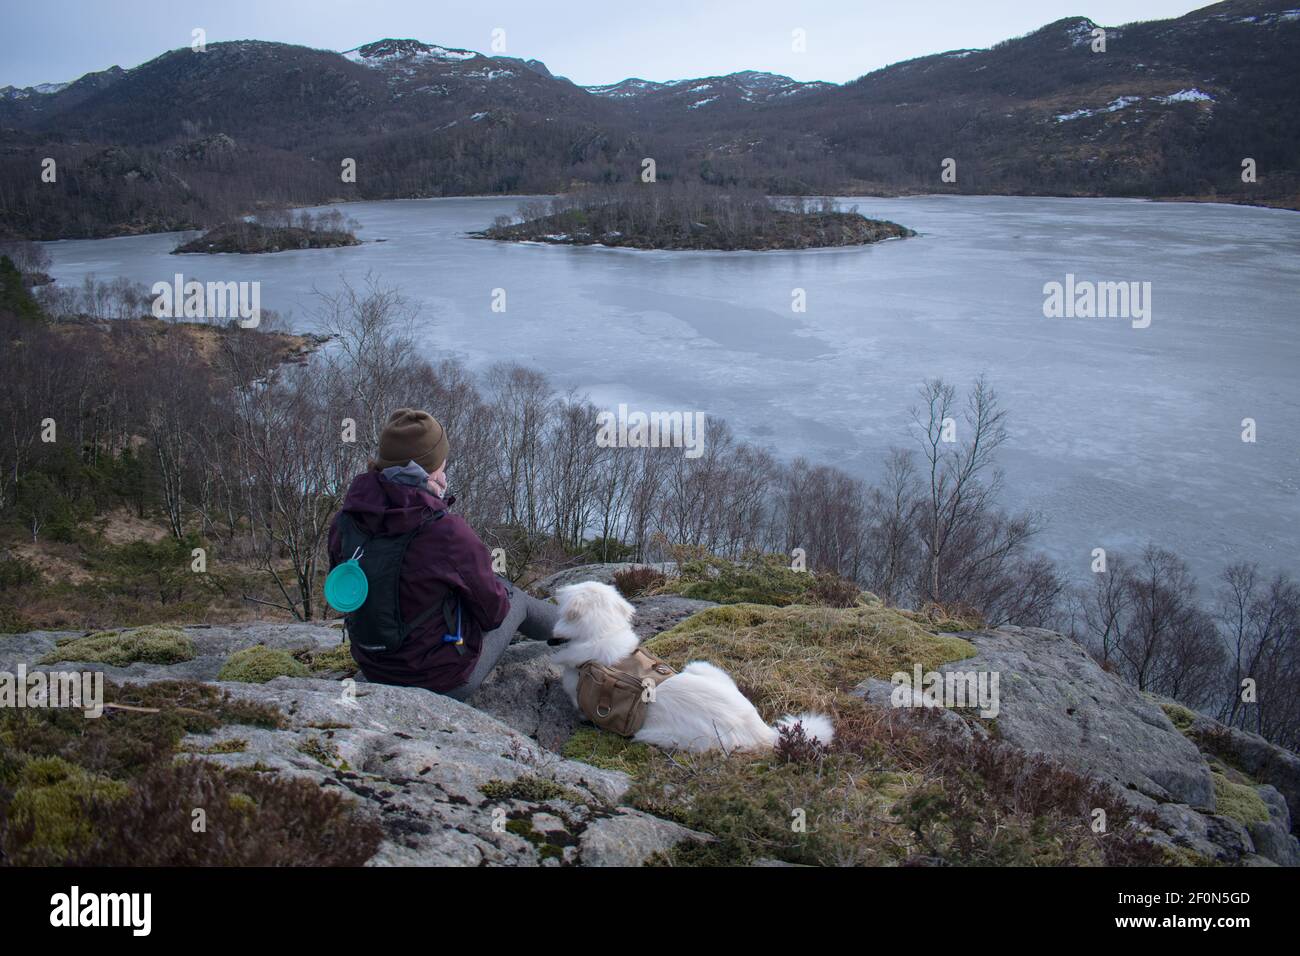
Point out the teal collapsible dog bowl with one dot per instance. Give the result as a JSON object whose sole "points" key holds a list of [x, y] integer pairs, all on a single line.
{"points": [[346, 587]]}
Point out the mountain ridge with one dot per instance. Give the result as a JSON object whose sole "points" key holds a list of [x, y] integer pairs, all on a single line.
{"points": [[1171, 109]]}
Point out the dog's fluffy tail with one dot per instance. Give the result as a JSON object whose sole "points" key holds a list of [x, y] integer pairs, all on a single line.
{"points": [[815, 726]]}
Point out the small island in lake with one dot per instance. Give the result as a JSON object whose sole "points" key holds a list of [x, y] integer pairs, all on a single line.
{"points": [[662, 216], [278, 231]]}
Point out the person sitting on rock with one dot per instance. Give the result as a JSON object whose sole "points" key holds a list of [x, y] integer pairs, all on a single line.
{"points": [[434, 615]]}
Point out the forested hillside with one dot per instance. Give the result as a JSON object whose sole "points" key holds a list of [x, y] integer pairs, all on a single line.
{"points": [[1170, 108]]}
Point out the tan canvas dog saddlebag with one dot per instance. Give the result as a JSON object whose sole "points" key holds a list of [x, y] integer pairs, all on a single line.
{"points": [[615, 698]]}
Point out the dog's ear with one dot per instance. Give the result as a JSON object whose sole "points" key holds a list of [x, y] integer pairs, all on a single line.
{"points": [[575, 601], [625, 607]]}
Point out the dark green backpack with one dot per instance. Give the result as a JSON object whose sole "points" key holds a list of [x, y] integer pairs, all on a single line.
{"points": [[377, 626]]}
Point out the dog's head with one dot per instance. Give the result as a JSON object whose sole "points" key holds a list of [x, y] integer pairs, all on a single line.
{"points": [[591, 612]]}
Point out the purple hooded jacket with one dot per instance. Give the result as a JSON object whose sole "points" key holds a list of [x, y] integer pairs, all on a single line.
{"points": [[447, 556]]}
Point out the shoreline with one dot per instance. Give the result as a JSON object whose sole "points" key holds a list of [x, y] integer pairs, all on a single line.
{"points": [[1286, 205]]}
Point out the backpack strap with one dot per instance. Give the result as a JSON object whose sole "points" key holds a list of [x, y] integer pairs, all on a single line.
{"points": [[350, 536]]}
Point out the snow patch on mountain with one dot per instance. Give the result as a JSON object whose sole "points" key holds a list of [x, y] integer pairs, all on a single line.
{"points": [[384, 53], [26, 92], [1123, 102], [752, 86], [1114, 105], [1186, 96]]}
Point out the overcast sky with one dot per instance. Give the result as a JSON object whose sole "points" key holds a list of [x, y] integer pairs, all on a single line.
{"points": [[589, 42]]}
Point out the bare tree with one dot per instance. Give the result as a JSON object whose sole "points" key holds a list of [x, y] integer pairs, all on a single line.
{"points": [[373, 343], [955, 465], [1261, 627]]}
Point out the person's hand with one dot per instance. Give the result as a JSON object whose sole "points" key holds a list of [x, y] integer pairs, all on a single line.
{"points": [[438, 483]]}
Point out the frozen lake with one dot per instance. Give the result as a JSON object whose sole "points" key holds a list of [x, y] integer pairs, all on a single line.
{"points": [[1120, 435]]}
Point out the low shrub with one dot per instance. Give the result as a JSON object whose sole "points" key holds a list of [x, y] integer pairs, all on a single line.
{"points": [[249, 819], [634, 582], [889, 792], [17, 573], [110, 792]]}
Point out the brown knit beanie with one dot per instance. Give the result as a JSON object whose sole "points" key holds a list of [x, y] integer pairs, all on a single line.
{"points": [[412, 435]]}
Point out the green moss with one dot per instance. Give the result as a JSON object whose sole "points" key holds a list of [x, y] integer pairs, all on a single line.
{"points": [[529, 788], [231, 745], [545, 849], [521, 827], [1238, 801], [153, 645], [1181, 717], [788, 659], [1182, 856], [259, 664], [607, 751], [329, 659], [52, 799]]}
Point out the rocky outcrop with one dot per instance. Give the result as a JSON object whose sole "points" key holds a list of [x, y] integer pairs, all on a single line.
{"points": [[1055, 700], [1274, 838], [1251, 754], [450, 783], [660, 612], [485, 782]]}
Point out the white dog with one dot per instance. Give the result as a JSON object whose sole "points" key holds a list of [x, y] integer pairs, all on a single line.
{"points": [[698, 709]]}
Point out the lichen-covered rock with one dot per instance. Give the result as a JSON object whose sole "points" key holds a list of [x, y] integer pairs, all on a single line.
{"points": [[1056, 700], [487, 783], [210, 646], [436, 772], [1273, 837], [524, 692], [662, 611], [1211, 836], [881, 694], [417, 762]]}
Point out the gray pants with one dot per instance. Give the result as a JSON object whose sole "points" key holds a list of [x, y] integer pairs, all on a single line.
{"points": [[533, 618]]}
